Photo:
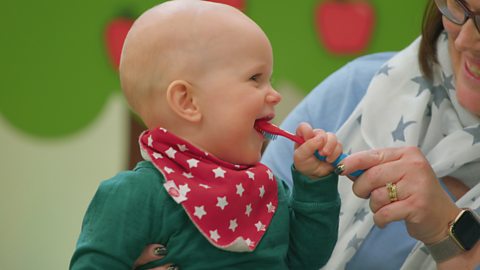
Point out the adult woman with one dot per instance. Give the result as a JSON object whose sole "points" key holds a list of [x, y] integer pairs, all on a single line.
{"points": [[428, 97]]}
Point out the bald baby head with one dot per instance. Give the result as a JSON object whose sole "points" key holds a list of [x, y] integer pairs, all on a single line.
{"points": [[176, 40]]}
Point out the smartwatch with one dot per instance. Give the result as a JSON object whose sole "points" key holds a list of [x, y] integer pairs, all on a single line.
{"points": [[463, 234]]}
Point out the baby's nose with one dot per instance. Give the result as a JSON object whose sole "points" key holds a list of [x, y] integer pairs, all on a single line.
{"points": [[273, 97]]}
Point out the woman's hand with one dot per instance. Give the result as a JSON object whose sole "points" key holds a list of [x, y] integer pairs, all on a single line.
{"points": [[151, 253], [422, 203]]}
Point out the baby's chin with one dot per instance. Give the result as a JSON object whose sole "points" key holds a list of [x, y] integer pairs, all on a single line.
{"points": [[248, 161]]}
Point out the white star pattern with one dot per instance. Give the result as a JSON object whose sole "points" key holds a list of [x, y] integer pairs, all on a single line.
{"points": [[219, 172], [171, 152], [183, 189], [248, 209], [199, 211], [270, 207], [150, 141], [214, 235], [240, 189], [168, 170], [157, 155], [198, 184], [270, 174], [163, 129], [262, 191], [233, 225], [222, 202], [192, 163], [182, 147], [187, 175], [260, 226]]}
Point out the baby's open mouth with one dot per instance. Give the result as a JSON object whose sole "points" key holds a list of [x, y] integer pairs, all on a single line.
{"points": [[261, 122]]}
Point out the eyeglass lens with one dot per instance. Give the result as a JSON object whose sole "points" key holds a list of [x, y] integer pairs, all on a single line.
{"points": [[455, 12]]}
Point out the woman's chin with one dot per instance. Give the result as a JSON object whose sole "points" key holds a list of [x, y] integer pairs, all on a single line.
{"points": [[469, 98]]}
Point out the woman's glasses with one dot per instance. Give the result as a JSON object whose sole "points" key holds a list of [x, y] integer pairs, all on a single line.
{"points": [[457, 12]]}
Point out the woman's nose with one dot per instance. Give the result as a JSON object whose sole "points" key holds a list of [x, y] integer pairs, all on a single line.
{"points": [[468, 38]]}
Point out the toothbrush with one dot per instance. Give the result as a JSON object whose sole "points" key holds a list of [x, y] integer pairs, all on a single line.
{"points": [[271, 131]]}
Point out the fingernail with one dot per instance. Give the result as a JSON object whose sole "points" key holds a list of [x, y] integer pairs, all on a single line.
{"points": [[173, 267], [160, 251], [340, 168]]}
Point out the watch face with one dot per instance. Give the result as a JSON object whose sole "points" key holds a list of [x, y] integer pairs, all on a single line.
{"points": [[466, 230]]}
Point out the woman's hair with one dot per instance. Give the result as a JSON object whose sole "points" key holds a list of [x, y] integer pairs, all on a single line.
{"points": [[432, 27]]}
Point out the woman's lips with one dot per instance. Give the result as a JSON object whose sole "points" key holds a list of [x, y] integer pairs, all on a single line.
{"points": [[473, 69]]}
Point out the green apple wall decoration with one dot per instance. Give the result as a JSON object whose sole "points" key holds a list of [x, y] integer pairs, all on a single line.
{"points": [[240, 4], [344, 26]]}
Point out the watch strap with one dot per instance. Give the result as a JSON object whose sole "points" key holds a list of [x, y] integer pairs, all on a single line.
{"points": [[444, 249]]}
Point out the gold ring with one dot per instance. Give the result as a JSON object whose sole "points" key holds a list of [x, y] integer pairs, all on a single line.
{"points": [[392, 192]]}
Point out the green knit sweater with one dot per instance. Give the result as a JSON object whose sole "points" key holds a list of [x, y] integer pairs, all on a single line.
{"points": [[133, 210]]}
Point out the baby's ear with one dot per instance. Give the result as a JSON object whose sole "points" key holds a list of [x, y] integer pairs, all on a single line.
{"points": [[182, 101]]}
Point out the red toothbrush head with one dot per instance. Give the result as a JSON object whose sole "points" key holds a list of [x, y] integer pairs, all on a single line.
{"points": [[271, 131]]}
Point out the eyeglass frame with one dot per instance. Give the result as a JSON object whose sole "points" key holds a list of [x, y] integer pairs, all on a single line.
{"points": [[467, 14]]}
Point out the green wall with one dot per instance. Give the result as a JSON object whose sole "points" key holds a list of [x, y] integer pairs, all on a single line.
{"points": [[56, 75]]}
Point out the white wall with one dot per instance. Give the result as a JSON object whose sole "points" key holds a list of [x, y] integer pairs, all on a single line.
{"points": [[46, 185]]}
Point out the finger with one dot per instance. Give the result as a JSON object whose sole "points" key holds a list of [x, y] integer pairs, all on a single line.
{"points": [[338, 149], [329, 147], [305, 131], [377, 177], [380, 197], [395, 211], [151, 253], [166, 267], [306, 150], [366, 159], [322, 135]]}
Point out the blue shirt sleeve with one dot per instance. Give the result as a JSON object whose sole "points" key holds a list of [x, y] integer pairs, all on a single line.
{"points": [[327, 107]]}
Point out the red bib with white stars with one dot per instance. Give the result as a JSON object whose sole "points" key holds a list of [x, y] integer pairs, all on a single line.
{"points": [[231, 205]]}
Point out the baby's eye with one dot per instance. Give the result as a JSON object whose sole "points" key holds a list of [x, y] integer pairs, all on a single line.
{"points": [[255, 77]]}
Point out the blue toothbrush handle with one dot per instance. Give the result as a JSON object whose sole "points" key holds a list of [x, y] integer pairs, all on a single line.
{"points": [[337, 161]]}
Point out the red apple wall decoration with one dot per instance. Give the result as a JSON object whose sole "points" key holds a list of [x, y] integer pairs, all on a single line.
{"points": [[115, 34], [344, 27], [117, 29], [239, 4]]}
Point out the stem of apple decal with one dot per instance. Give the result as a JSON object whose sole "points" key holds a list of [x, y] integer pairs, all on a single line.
{"points": [[344, 27]]}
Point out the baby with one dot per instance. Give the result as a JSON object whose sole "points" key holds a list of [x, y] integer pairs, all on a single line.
{"points": [[198, 74]]}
